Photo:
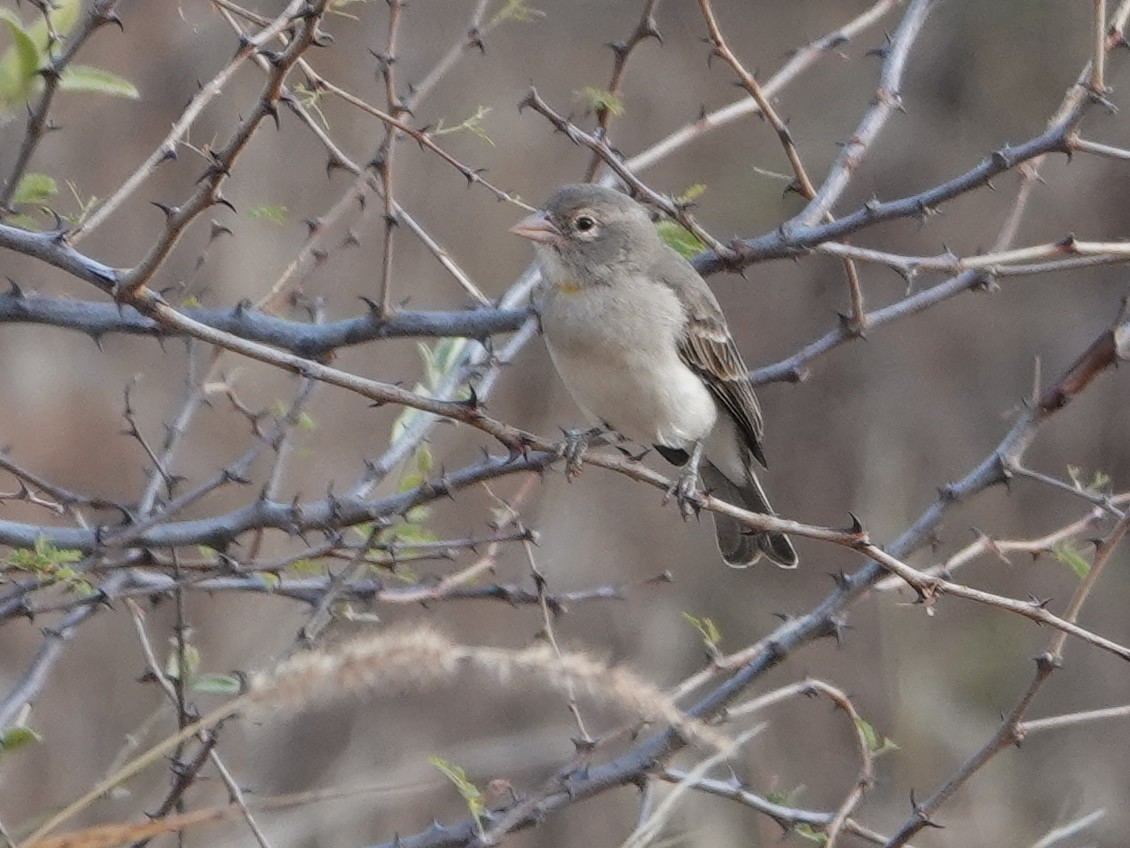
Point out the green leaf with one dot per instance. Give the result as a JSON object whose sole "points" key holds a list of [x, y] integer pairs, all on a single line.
{"points": [[1069, 555], [35, 188], [55, 555], [692, 193], [871, 739], [17, 737], [274, 214], [516, 10], [471, 794], [270, 581], [48, 564], [216, 684], [307, 566], [473, 125], [786, 799], [191, 663], [868, 733], [680, 238], [811, 834], [97, 81], [19, 64], [709, 632], [600, 100], [1099, 484], [424, 460], [406, 534], [64, 16], [403, 573], [24, 222], [888, 745], [73, 581]]}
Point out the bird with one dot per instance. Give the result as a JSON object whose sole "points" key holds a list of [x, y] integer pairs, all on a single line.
{"points": [[641, 344]]}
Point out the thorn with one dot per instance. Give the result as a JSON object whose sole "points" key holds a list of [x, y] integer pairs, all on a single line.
{"points": [[530, 100], [649, 29], [619, 48], [1047, 662], [923, 816], [475, 39], [583, 746], [472, 399], [836, 628], [1068, 243], [218, 230], [1002, 158]]}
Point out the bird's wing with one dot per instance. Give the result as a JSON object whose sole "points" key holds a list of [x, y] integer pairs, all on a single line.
{"points": [[708, 349]]}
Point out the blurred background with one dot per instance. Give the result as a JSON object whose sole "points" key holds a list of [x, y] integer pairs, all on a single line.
{"points": [[879, 425]]}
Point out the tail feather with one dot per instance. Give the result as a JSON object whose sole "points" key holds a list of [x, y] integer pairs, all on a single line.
{"points": [[740, 547]]}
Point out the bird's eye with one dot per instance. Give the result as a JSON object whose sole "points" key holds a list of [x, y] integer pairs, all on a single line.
{"points": [[584, 223]]}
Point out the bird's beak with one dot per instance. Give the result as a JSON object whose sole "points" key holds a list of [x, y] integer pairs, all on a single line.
{"points": [[537, 227]]}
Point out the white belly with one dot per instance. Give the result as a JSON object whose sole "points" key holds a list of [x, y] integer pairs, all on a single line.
{"points": [[648, 400], [616, 353]]}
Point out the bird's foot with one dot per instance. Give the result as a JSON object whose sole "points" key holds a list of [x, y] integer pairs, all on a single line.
{"points": [[684, 489], [574, 448]]}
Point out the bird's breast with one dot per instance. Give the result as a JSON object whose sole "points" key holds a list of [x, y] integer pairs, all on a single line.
{"points": [[616, 351]]}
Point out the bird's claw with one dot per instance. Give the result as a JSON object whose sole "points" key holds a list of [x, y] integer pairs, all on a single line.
{"points": [[573, 451], [684, 489]]}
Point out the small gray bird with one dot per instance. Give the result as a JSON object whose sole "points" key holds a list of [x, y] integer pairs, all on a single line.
{"points": [[641, 343]]}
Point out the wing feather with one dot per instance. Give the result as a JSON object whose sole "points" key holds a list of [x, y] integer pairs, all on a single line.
{"points": [[708, 349]]}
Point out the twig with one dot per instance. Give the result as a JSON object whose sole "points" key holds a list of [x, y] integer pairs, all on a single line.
{"points": [[1098, 48], [384, 158], [888, 99], [27, 687], [801, 182], [1002, 547], [1057, 834], [646, 28], [1041, 725], [207, 191], [101, 12], [167, 148], [207, 738], [1008, 733], [786, 817], [799, 60], [300, 337], [825, 619]]}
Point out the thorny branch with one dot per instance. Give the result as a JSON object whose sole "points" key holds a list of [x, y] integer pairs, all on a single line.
{"points": [[140, 556]]}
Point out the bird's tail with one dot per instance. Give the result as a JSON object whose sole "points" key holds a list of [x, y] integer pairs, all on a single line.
{"points": [[739, 546]]}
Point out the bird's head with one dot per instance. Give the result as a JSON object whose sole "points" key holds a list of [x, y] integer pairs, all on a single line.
{"points": [[584, 231]]}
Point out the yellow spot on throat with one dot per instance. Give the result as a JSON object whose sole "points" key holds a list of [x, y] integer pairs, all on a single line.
{"points": [[568, 287]]}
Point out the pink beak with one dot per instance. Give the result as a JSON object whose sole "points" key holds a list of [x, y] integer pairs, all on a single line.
{"points": [[537, 227]]}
